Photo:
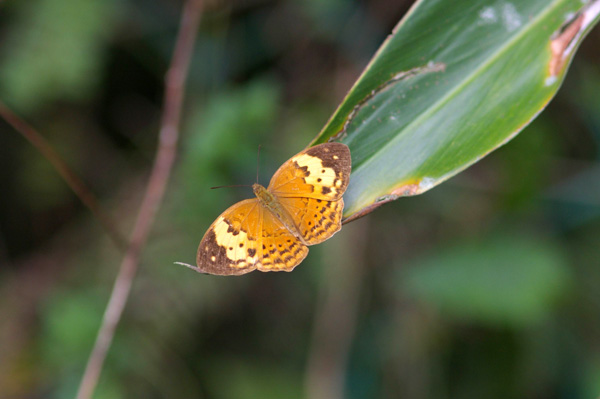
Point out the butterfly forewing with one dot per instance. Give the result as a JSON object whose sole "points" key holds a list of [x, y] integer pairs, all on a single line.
{"points": [[321, 172], [232, 244]]}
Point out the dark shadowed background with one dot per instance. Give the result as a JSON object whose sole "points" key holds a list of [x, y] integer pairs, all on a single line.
{"points": [[486, 286]]}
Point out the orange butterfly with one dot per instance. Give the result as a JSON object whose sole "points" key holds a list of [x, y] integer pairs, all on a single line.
{"points": [[302, 206]]}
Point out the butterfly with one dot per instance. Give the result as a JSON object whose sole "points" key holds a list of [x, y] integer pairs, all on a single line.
{"points": [[302, 206]]}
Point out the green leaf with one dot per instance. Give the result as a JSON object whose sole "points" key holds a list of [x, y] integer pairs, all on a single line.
{"points": [[512, 279], [453, 82]]}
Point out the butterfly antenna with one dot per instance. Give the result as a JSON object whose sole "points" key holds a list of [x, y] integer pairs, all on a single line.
{"points": [[244, 185], [257, 162], [231, 185]]}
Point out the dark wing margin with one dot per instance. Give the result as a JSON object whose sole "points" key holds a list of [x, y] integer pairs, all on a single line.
{"points": [[231, 246]]}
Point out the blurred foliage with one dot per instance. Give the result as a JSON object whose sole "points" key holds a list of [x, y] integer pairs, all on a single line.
{"points": [[486, 286], [53, 51], [509, 279]]}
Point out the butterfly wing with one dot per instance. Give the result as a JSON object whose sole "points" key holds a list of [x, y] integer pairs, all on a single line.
{"points": [[315, 219], [232, 245], [320, 172], [281, 250], [310, 187]]}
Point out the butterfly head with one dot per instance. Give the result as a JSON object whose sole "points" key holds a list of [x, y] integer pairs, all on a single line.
{"points": [[264, 195], [259, 190]]}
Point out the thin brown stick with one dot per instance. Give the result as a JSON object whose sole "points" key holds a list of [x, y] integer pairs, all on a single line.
{"points": [[165, 156], [70, 177]]}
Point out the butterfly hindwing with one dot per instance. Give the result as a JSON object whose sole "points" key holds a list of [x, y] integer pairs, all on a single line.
{"points": [[316, 220], [232, 244], [281, 250], [320, 172]]}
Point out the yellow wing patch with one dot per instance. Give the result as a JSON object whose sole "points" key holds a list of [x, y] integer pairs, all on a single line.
{"points": [[231, 245], [302, 206], [321, 172]]}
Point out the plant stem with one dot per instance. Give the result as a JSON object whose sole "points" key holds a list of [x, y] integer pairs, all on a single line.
{"points": [[165, 156], [73, 181]]}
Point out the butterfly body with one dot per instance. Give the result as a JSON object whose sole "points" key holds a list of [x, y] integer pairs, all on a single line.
{"points": [[301, 206], [270, 202]]}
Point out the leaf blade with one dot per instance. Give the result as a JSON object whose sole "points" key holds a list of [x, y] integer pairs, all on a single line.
{"points": [[448, 87]]}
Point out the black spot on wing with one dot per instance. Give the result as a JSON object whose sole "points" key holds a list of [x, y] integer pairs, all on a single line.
{"points": [[231, 229], [312, 188], [303, 170]]}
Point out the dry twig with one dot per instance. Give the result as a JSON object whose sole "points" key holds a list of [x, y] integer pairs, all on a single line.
{"points": [[70, 177], [165, 156]]}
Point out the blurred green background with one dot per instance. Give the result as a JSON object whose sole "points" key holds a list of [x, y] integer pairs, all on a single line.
{"points": [[486, 286]]}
